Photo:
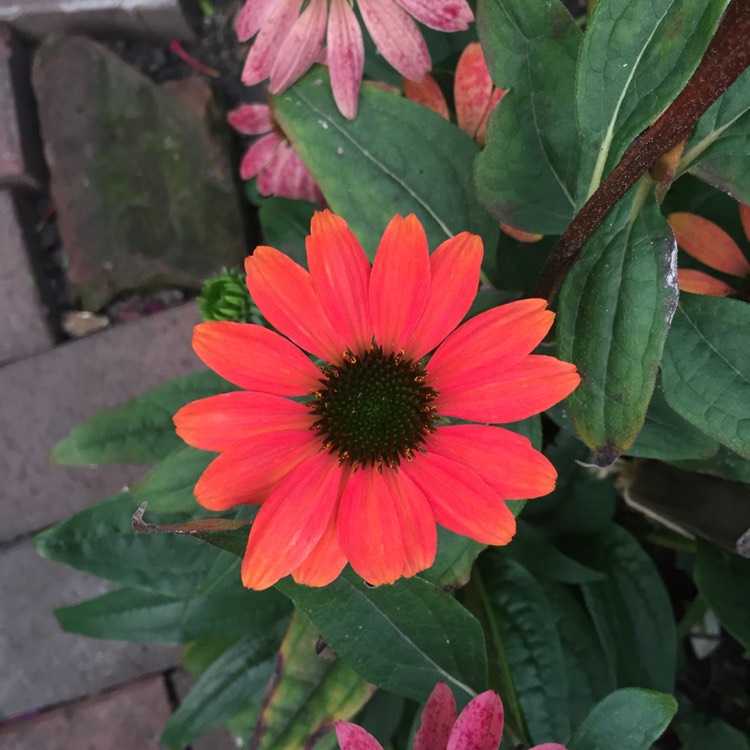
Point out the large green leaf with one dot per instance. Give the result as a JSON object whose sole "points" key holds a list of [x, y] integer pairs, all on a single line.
{"points": [[706, 368], [723, 580], [404, 637], [636, 56], [719, 150], [309, 692], [139, 431], [626, 719], [616, 305], [454, 559], [397, 157], [526, 175]]}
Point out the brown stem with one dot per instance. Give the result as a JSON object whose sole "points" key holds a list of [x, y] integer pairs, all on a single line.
{"points": [[727, 55]]}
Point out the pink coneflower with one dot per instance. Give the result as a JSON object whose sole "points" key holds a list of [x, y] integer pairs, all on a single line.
{"points": [[290, 39]]}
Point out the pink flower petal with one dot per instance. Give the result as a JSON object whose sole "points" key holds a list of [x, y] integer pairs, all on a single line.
{"points": [[246, 473], [218, 422], [291, 521], [286, 176], [266, 47], [460, 499], [472, 89], [549, 746], [341, 276], [300, 48], [480, 724], [399, 283], [454, 273], [250, 119], [444, 15], [505, 460], [252, 17], [397, 37], [438, 718], [428, 94], [255, 358], [352, 737], [699, 282], [346, 56], [259, 155], [284, 293]]}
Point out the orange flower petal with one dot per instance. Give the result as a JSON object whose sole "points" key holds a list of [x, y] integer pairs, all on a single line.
{"points": [[488, 343], [745, 218], [520, 235], [708, 243], [481, 136], [255, 358], [528, 387], [698, 282], [399, 283], [505, 460], [454, 270], [246, 473], [291, 522], [461, 500], [284, 293], [341, 276], [472, 89], [218, 422], [437, 720], [428, 94]]}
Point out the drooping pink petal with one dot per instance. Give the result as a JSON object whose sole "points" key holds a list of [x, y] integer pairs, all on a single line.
{"points": [[505, 460], [438, 718], [399, 283], [250, 119], [286, 176], [341, 276], [699, 282], [284, 293], [489, 343], [218, 422], [428, 94], [472, 89], [255, 358], [480, 724], [397, 37], [291, 521], [454, 275], [443, 15], [708, 243], [253, 16], [346, 56], [301, 47], [549, 746], [259, 155], [460, 499], [527, 388], [246, 473], [266, 47], [352, 737]]}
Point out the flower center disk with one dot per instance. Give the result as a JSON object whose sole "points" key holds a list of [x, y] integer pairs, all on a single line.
{"points": [[374, 408]]}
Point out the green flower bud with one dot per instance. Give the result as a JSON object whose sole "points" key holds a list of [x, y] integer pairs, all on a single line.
{"points": [[225, 297]]}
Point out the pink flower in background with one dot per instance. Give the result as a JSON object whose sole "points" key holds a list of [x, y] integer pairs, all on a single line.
{"points": [[272, 158], [290, 39], [479, 727]]}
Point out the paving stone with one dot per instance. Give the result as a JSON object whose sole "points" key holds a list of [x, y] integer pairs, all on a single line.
{"points": [[42, 398], [21, 162], [25, 330], [44, 666], [159, 19]]}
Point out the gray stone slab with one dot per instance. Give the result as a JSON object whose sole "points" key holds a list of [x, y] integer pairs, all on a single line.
{"points": [[25, 330], [42, 398], [158, 19], [44, 666]]}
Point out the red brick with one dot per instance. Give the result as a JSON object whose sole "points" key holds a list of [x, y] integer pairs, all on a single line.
{"points": [[129, 718]]}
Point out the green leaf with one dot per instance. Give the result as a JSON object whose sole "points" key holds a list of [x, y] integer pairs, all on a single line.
{"points": [[723, 580], [146, 617], [531, 646], [139, 431], [168, 487], [285, 224], [454, 560], [526, 175], [198, 655], [724, 463], [236, 680], [716, 734], [397, 157], [616, 305], [309, 693], [718, 151], [628, 719], [706, 368], [636, 56], [404, 637]]}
